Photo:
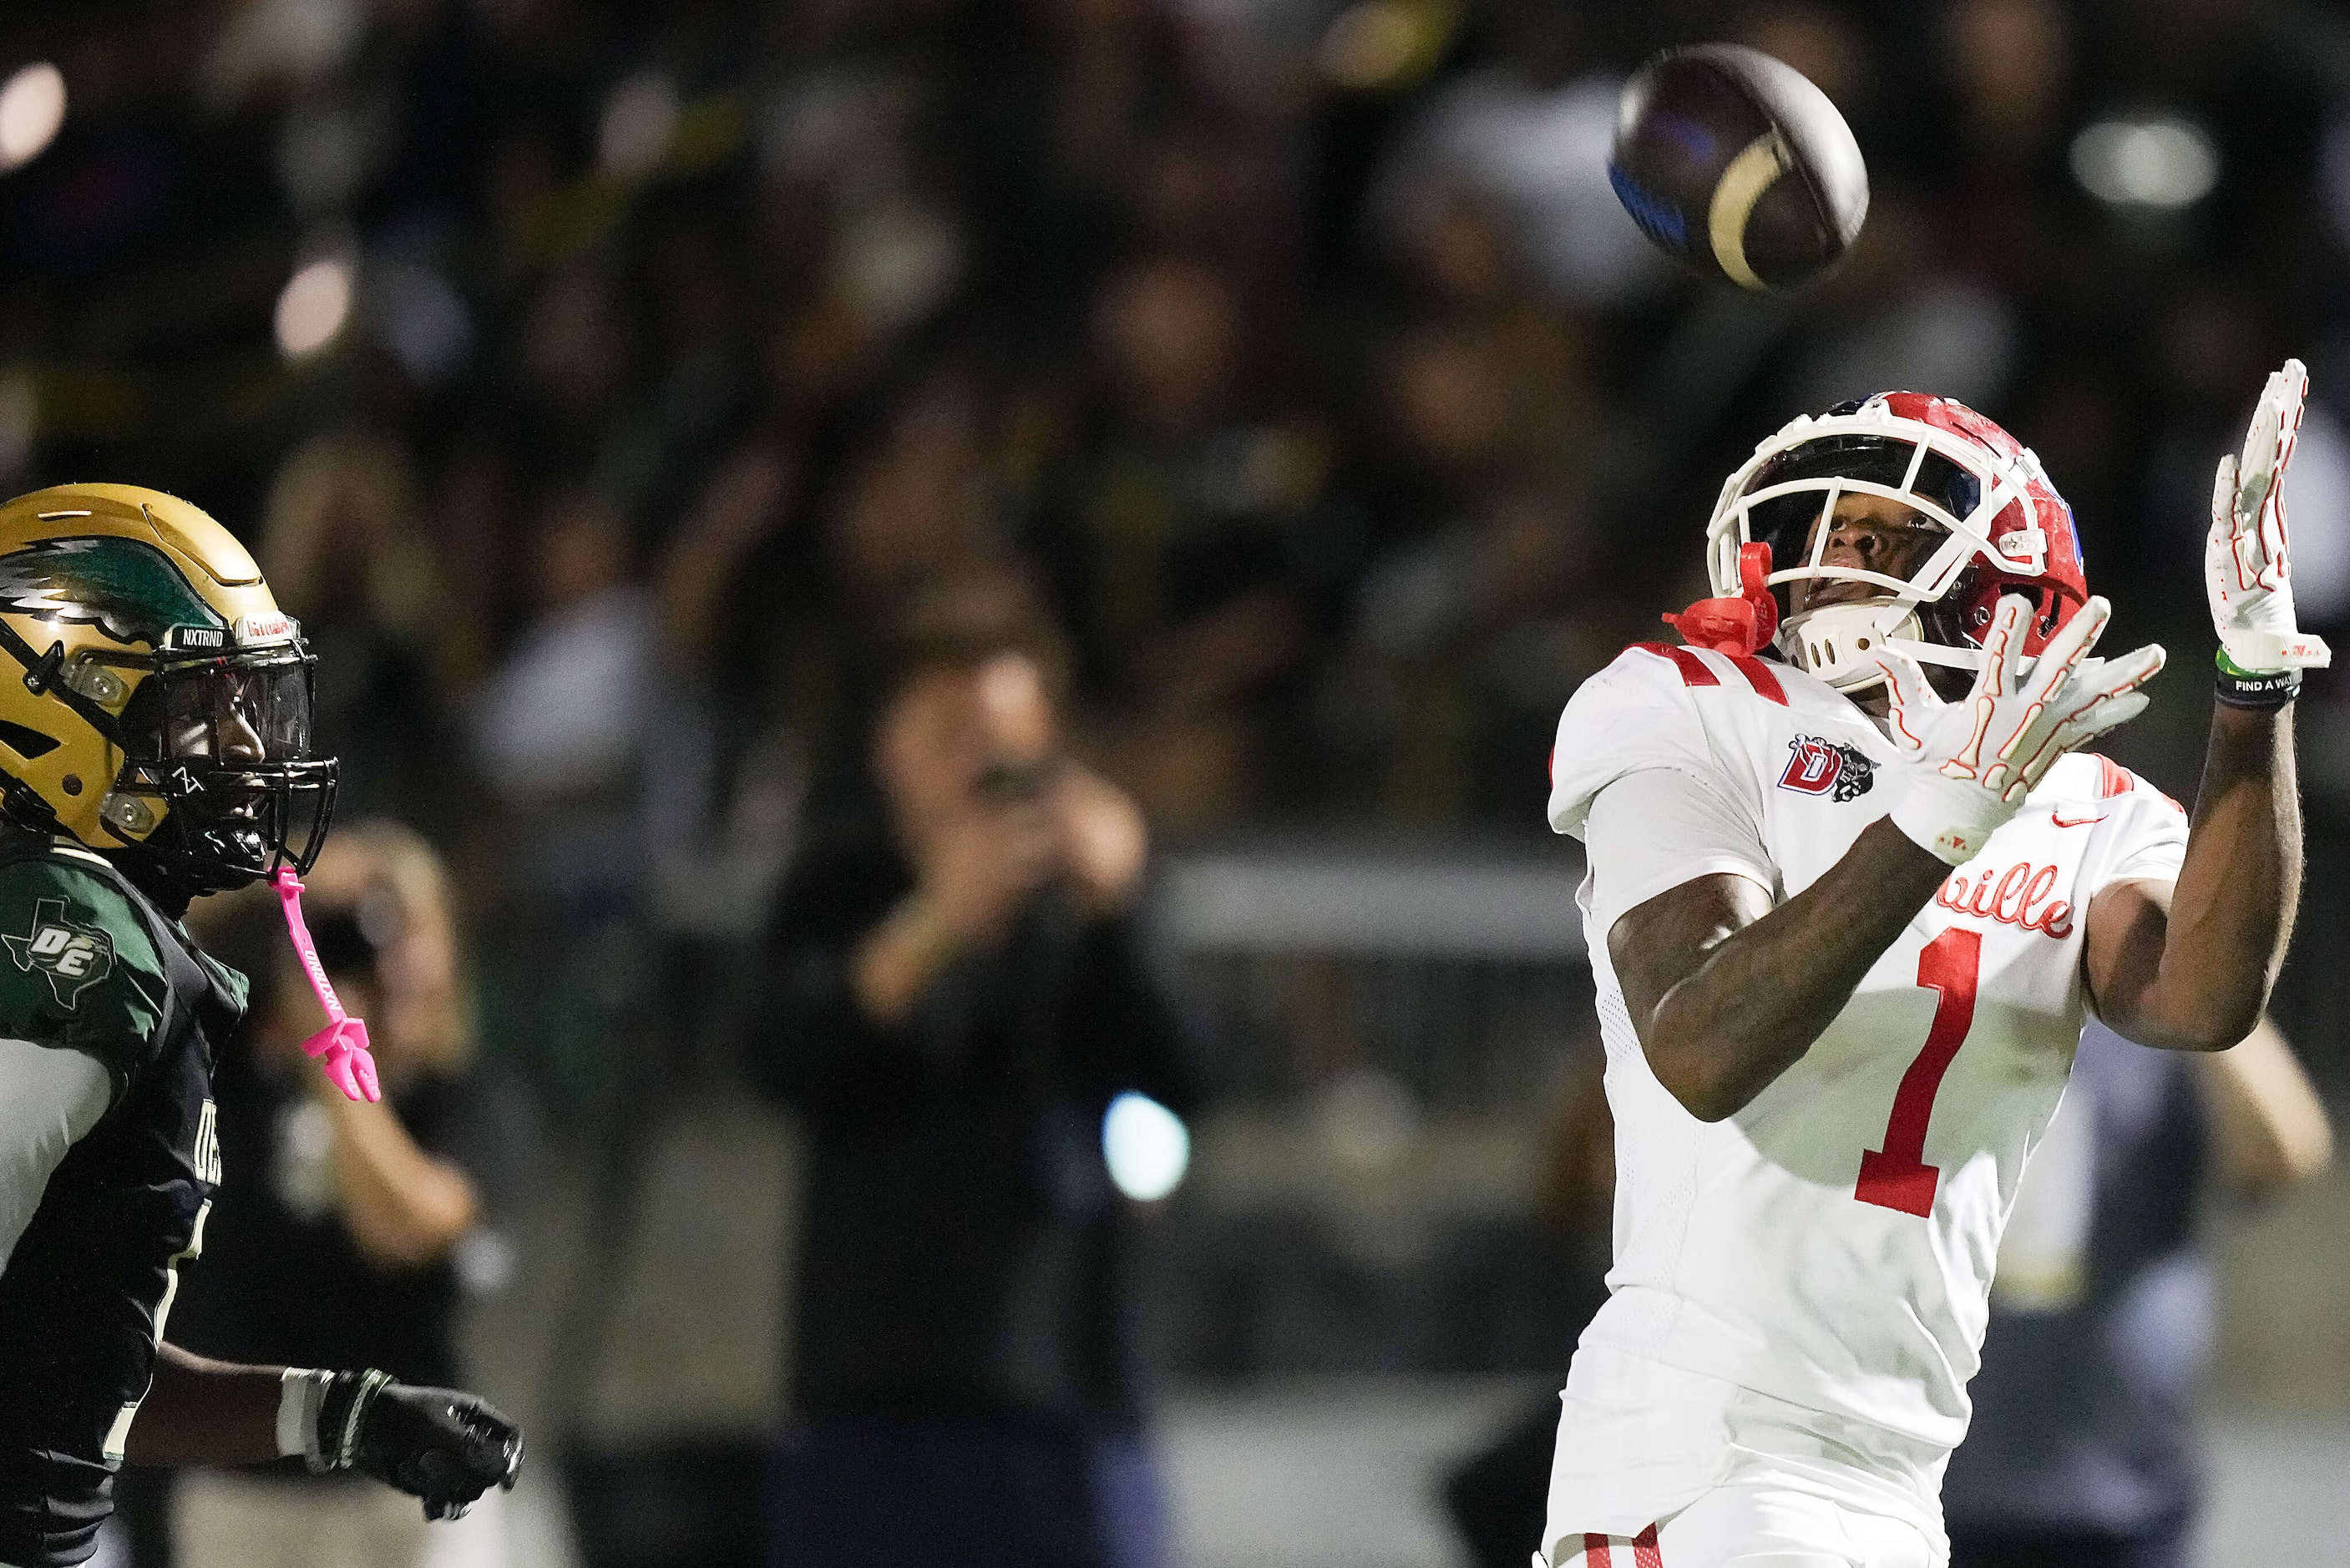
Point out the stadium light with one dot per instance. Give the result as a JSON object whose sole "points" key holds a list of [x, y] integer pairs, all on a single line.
{"points": [[32, 107], [314, 305], [2157, 161], [1146, 1145]]}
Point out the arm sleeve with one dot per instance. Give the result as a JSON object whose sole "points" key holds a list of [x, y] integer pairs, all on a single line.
{"points": [[50, 1097], [1651, 831]]}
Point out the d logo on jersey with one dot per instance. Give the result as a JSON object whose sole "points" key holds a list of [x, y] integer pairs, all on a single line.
{"points": [[1826, 767], [74, 956]]}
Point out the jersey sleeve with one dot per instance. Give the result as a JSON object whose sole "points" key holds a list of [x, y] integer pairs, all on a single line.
{"points": [[79, 968], [2143, 838], [1637, 715], [1651, 831]]}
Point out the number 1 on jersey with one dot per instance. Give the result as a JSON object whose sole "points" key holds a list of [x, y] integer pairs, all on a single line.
{"points": [[1897, 1176]]}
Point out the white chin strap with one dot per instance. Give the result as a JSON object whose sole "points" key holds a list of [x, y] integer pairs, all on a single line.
{"points": [[1839, 643]]}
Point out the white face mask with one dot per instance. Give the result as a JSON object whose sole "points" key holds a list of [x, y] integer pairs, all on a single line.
{"points": [[1841, 642]]}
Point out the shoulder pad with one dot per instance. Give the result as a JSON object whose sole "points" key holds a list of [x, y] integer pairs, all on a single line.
{"points": [[79, 969], [1641, 712]]}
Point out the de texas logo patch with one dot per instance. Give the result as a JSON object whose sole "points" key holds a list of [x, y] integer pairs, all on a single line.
{"points": [[74, 956], [1826, 767]]}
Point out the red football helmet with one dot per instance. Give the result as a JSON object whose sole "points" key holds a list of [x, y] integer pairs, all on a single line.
{"points": [[2005, 530]]}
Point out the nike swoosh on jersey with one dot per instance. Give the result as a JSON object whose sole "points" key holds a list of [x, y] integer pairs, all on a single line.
{"points": [[2060, 820]]}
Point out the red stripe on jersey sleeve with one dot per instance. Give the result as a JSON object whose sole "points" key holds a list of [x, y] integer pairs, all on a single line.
{"points": [[1758, 675], [1595, 1551], [1694, 670], [2114, 781], [1645, 1553]]}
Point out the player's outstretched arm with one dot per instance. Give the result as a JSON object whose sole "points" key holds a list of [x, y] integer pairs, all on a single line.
{"points": [[2189, 967], [445, 1446], [204, 1412]]}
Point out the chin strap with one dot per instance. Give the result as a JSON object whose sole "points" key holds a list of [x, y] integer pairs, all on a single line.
{"points": [[342, 1047], [1736, 625]]}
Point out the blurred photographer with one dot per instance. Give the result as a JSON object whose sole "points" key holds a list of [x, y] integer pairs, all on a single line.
{"points": [[957, 992]]}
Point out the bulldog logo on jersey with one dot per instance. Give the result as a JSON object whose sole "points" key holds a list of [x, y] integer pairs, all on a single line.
{"points": [[74, 956], [1826, 767]]}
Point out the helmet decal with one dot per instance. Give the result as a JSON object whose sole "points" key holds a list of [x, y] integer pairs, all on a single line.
{"points": [[129, 590]]}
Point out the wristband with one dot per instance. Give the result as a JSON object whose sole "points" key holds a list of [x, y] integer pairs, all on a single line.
{"points": [[342, 1411], [1949, 818], [2241, 688], [300, 1393]]}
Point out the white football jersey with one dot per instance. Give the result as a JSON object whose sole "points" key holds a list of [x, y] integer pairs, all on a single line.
{"points": [[1831, 1245]]}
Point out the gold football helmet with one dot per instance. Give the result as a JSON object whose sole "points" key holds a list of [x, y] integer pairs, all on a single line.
{"points": [[159, 709]]}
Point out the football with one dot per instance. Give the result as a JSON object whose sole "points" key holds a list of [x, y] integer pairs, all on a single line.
{"points": [[1739, 165]]}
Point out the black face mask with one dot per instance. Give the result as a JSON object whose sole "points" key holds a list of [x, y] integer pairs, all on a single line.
{"points": [[224, 745]]}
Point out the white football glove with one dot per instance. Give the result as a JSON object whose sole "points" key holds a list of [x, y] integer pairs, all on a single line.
{"points": [[1968, 764], [2247, 571]]}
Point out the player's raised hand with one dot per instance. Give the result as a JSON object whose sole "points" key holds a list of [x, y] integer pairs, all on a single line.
{"points": [[982, 861], [1104, 842], [2247, 557], [1970, 764]]}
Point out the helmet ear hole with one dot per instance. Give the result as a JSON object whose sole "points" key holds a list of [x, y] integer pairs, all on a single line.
{"points": [[26, 742]]}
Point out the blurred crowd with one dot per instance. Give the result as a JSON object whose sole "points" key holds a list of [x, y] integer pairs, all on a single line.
{"points": [[606, 387], [593, 381]]}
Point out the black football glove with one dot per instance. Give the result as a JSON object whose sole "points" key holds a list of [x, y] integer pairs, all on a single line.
{"points": [[438, 1444]]}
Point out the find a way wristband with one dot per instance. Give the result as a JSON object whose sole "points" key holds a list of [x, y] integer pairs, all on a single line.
{"points": [[2241, 688]]}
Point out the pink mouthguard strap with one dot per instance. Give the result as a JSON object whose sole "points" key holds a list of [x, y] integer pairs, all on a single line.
{"points": [[342, 1047]]}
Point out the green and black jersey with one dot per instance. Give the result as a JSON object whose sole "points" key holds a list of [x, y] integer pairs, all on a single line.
{"points": [[87, 965]]}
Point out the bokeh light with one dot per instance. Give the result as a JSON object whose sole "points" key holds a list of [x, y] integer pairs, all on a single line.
{"points": [[32, 107], [1146, 1145], [314, 305], [2158, 162], [639, 126]]}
